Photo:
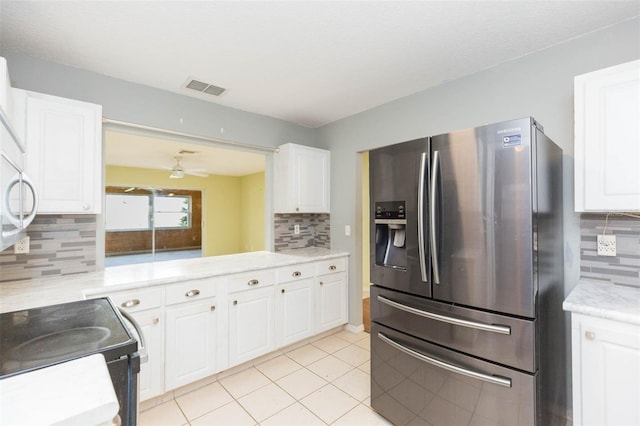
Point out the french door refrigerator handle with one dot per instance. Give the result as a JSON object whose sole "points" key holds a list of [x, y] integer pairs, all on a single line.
{"points": [[494, 328], [421, 210], [496, 380], [432, 217]]}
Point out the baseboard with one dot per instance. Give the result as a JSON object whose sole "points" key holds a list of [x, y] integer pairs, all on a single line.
{"points": [[355, 328]]}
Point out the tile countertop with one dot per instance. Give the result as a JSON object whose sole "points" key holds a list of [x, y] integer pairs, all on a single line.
{"points": [[605, 300], [17, 295]]}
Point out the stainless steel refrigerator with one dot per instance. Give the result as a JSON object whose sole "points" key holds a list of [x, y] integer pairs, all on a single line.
{"points": [[467, 266]]}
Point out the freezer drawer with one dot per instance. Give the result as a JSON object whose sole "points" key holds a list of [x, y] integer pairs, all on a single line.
{"points": [[502, 339], [415, 382]]}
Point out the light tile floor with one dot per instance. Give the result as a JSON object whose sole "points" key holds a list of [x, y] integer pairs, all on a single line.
{"points": [[325, 382]]}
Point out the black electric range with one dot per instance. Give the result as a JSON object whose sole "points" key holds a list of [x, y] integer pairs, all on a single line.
{"points": [[41, 337]]}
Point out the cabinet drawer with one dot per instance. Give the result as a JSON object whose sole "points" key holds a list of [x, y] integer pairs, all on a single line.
{"points": [[191, 290], [330, 266], [138, 300], [251, 280], [295, 272]]}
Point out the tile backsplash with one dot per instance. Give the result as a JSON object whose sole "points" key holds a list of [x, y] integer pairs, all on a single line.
{"points": [[60, 245], [314, 231], [624, 268]]}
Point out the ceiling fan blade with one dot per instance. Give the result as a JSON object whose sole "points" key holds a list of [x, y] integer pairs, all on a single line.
{"points": [[196, 173]]}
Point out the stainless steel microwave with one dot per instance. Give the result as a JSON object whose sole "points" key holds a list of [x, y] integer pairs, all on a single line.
{"points": [[18, 196]]}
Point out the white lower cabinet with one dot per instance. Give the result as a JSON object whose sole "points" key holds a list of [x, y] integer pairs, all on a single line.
{"points": [[151, 378], [251, 324], [606, 371], [331, 294], [294, 311], [190, 342]]}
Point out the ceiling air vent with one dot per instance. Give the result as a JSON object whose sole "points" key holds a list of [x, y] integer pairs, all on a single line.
{"points": [[203, 87]]}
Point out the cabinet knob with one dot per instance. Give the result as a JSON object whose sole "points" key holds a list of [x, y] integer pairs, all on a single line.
{"points": [[253, 282], [321, 283], [282, 291], [590, 335], [296, 274], [213, 307], [86, 207], [156, 320], [297, 209], [235, 302], [130, 303], [192, 293]]}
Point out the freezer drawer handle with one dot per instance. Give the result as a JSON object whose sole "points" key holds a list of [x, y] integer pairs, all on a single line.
{"points": [[496, 380], [494, 328]]}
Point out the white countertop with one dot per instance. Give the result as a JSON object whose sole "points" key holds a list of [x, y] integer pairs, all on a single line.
{"points": [[605, 300], [26, 294], [77, 392]]}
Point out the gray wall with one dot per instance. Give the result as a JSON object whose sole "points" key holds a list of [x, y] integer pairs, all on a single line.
{"points": [[135, 103], [538, 85]]}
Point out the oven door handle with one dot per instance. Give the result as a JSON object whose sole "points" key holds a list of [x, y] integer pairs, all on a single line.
{"points": [[496, 380], [494, 328], [142, 349]]}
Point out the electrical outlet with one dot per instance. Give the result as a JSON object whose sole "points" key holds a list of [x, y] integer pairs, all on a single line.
{"points": [[296, 229], [22, 246], [606, 245]]}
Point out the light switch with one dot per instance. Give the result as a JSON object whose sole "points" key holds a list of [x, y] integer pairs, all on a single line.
{"points": [[347, 230]]}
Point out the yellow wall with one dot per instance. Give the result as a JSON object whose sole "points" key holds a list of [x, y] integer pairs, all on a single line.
{"points": [[366, 277], [252, 218], [224, 215]]}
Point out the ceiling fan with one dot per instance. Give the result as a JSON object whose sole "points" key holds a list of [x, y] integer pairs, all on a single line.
{"points": [[177, 171]]}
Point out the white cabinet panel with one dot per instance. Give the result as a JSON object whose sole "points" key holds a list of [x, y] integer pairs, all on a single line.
{"points": [[190, 342], [331, 301], [294, 311], [606, 372], [251, 324], [151, 376], [302, 179], [64, 153], [607, 139]]}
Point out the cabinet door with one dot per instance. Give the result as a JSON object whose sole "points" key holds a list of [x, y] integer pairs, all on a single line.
{"points": [[607, 139], [294, 311], [64, 153], [251, 324], [331, 301], [190, 342], [151, 376], [606, 372]]}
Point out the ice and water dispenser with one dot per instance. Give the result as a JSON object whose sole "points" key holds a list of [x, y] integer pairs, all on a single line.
{"points": [[391, 228]]}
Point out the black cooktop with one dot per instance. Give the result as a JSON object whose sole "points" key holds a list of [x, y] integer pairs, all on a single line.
{"points": [[40, 337]]}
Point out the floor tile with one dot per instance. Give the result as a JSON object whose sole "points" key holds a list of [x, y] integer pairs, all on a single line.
{"points": [[201, 401], [366, 367], [307, 355], [329, 403], [361, 415], [330, 344], [364, 343], [353, 355], [301, 383], [293, 415], [266, 401], [167, 414], [227, 415], [351, 337], [244, 382], [356, 383], [278, 367], [330, 368]]}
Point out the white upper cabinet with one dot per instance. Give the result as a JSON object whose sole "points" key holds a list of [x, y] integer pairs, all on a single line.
{"points": [[607, 139], [64, 152], [302, 179]]}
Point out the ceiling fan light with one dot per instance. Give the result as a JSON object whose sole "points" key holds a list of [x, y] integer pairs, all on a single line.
{"points": [[176, 174]]}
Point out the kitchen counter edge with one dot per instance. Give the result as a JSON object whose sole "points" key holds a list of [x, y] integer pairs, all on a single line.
{"points": [[605, 300], [26, 294]]}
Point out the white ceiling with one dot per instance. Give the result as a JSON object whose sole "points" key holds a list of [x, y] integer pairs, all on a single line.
{"points": [[308, 62]]}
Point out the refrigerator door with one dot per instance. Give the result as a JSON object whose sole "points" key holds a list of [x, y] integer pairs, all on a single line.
{"points": [[481, 223], [398, 179]]}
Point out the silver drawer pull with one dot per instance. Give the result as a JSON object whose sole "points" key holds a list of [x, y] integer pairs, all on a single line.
{"points": [[130, 303], [496, 380], [296, 274], [192, 293], [333, 267], [253, 282], [494, 328]]}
